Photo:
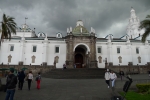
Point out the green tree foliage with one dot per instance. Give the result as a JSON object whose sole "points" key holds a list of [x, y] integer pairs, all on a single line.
{"points": [[145, 24], [8, 27]]}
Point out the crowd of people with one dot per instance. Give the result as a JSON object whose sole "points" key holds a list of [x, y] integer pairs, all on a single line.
{"points": [[12, 80]]}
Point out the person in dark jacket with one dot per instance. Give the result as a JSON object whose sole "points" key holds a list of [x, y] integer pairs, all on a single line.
{"points": [[21, 77], [11, 85], [121, 73]]}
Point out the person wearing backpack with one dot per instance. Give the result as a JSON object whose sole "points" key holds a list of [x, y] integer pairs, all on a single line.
{"points": [[11, 82], [38, 81]]}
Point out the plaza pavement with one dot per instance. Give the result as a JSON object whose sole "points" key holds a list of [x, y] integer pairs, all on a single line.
{"points": [[72, 89]]}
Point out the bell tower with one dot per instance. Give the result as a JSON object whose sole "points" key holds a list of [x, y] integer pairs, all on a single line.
{"points": [[133, 27]]}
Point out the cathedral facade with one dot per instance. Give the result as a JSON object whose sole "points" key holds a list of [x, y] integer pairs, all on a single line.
{"points": [[79, 47]]}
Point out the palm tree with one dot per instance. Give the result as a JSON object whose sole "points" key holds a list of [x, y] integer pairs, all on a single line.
{"points": [[8, 26], [145, 24]]}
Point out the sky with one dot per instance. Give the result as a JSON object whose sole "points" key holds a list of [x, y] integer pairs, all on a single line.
{"points": [[53, 16]]}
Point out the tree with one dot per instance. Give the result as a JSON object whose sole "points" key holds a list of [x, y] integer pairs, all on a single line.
{"points": [[145, 24], [8, 27]]}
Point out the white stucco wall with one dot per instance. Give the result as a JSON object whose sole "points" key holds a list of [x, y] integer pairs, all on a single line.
{"points": [[28, 46], [128, 53]]}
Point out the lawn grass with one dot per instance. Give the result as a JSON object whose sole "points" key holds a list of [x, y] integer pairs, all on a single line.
{"points": [[132, 95]]}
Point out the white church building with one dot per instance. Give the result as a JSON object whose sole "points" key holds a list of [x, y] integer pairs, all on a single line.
{"points": [[79, 47]]}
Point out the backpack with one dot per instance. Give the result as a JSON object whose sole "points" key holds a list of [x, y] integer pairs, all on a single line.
{"points": [[38, 78]]}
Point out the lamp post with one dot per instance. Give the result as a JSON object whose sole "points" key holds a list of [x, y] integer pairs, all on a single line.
{"points": [[105, 62]]}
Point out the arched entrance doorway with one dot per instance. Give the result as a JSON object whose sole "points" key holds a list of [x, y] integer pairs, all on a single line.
{"points": [[78, 60], [80, 57]]}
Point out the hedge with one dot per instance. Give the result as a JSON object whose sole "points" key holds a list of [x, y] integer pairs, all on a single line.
{"points": [[143, 87]]}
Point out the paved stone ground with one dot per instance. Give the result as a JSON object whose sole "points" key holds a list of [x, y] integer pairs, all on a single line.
{"points": [[70, 89], [64, 89]]}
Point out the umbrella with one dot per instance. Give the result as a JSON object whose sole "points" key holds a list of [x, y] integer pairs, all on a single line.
{"points": [[3, 69], [24, 68], [13, 69]]}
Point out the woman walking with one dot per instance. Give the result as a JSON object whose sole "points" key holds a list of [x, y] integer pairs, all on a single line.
{"points": [[38, 80], [30, 79], [107, 77], [113, 78]]}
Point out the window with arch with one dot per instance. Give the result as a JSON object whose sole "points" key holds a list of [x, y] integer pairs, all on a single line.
{"points": [[33, 59], [139, 59], [100, 59], [120, 59], [58, 35], [56, 59], [9, 58]]}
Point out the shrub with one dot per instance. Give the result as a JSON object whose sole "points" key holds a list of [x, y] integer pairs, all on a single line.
{"points": [[148, 92], [143, 87]]}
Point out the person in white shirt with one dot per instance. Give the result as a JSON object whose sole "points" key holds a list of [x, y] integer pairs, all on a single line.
{"points": [[30, 79], [107, 77], [113, 77]]}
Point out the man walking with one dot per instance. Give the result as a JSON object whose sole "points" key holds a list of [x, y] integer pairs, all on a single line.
{"points": [[107, 77], [21, 77], [121, 73], [11, 85]]}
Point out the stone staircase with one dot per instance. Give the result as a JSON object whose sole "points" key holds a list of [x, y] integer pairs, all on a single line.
{"points": [[78, 73]]}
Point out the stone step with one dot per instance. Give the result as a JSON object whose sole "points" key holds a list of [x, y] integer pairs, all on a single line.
{"points": [[84, 73]]}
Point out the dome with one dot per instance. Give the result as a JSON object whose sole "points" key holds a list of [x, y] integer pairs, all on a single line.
{"points": [[79, 27]]}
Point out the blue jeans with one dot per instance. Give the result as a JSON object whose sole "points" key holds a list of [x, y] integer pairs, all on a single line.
{"points": [[113, 82], [10, 94]]}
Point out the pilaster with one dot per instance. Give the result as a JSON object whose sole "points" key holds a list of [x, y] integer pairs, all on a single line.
{"points": [[22, 44], [45, 45]]}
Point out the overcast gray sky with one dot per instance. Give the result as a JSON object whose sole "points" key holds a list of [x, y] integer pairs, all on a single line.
{"points": [[52, 16]]}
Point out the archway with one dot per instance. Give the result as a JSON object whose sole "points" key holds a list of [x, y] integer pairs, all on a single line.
{"points": [[80, 56], [78, 60]]}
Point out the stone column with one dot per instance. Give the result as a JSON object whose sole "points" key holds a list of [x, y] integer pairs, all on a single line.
{"points": [[95, 50], [22, 44], [71, 54], [45, 45], [93, 62], [69, 60]]}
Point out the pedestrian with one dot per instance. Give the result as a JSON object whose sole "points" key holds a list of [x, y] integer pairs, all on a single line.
{"points": [[11, 82], [107, 77], [29, 79], [38, 81], [121, 73], [113, 77], [149, 73], [74, 65], [21, 77], [64, 66]]}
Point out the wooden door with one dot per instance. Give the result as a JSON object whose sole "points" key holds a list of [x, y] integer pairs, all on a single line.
{"points": [[78, 60]]}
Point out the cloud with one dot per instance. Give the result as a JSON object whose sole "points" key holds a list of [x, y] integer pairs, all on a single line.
{"points": [[52, 16]]}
